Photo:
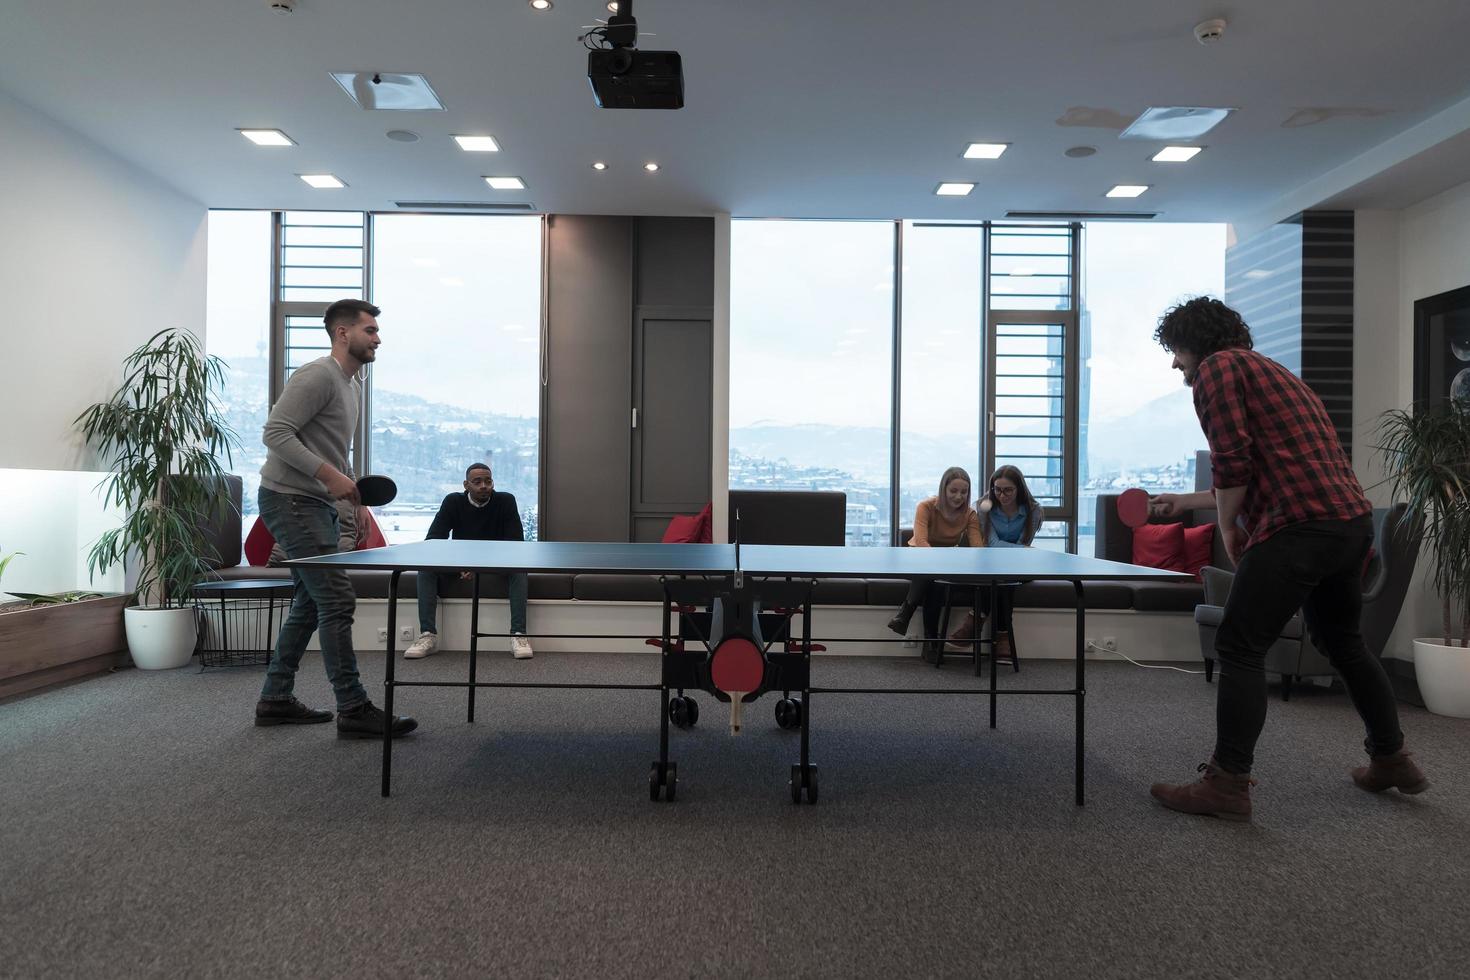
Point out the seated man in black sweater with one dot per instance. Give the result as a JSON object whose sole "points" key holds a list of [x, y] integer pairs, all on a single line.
{"points": [[479, 514]]}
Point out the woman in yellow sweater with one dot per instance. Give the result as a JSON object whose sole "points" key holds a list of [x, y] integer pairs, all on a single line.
{"points": [[945, 520]]}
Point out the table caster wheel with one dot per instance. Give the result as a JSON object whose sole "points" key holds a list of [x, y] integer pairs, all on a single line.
{"points": [[788, 712], [663, 783], [683, 712], [803, 784]]}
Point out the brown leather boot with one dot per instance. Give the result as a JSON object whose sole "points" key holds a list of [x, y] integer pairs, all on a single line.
{"points": [[963, 638], [1217, 793], [1396, 771]]}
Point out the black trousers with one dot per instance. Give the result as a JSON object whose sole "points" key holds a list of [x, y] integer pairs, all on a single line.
{"points": [[1316, 567]]}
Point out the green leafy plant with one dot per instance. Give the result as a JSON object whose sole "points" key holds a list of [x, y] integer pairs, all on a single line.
{"points": [[55, 598], [4, 562], [162, 435], [1426, 453]]}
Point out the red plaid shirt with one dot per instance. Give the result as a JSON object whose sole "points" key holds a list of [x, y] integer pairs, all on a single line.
{"points": [[1270, 433]]}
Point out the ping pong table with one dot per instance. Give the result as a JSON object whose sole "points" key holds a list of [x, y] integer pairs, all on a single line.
{"points": [[750, 577]]}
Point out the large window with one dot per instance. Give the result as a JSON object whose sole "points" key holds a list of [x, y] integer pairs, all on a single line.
{"points": [[811, 363], [940, 391], [237, 330], [1137, 421], [457, 379]]}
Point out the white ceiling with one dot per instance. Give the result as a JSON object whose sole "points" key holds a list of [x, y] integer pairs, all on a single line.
{"points": [[795, 108]]}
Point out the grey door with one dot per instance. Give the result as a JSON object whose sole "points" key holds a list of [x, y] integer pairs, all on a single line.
{"points": [[670, 416]]}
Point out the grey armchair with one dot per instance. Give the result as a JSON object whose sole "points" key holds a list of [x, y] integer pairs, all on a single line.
{"points": [[1293, 656]]}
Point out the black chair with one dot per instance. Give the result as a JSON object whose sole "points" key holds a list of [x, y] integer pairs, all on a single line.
{"points": [[982, 646]]}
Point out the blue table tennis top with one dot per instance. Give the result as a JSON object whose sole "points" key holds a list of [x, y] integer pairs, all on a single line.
{"points": [[805, 561]]}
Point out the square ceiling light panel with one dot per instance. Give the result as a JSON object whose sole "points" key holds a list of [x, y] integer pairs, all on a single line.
{"points": [[1172, 123], [387, 90]]}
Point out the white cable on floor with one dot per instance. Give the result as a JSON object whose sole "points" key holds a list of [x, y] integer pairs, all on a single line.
{"points": [[1094, 646]]}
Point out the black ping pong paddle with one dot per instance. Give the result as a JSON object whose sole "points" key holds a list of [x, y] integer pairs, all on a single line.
{"points": [[376, 490]]}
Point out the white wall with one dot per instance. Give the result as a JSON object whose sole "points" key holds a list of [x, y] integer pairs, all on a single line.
{"points": [[1401, 257], [95, 256]]}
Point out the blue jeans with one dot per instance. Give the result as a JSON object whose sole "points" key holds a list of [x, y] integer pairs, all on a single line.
{"points": [[431, 586], [324, 601]]}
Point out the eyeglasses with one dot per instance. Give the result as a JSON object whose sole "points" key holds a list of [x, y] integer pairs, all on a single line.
{"points": [[1004, 491]]}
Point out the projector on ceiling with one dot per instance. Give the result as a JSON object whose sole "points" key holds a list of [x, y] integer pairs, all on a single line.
{"points": [[626, 78]]}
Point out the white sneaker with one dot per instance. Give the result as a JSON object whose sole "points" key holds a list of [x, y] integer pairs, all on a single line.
{"points": [[520, 647], [426, 644]]}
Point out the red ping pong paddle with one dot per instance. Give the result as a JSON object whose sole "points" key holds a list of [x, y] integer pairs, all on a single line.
{"points": [[1133, 507], [375, 491], [737, 668]]}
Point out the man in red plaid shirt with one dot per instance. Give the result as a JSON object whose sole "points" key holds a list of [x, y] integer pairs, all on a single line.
{"points": [[1295, 521]]}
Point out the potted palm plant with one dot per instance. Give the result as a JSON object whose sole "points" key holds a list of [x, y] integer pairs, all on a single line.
{"points": [[1426, 453], [161, 434]]}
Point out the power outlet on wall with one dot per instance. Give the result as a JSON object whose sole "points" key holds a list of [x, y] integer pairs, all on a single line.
{"points": [[382, 634], [1110, 644], [404, 633]]}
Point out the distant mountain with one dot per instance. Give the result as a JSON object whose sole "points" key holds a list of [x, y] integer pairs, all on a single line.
{"points": [[859, 450], [1163, 431]]}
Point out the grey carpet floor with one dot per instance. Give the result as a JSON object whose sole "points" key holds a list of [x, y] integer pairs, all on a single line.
{"points": [[148, 829]]}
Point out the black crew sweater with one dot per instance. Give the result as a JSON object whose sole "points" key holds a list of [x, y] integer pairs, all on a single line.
{"points": [[498, 520]]}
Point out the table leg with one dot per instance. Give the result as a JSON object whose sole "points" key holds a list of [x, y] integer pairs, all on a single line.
{"points": [[994, 592], [474, 643], [388, 683], [1081, 683]]}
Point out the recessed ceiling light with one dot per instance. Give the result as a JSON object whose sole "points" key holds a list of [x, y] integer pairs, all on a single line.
{"points": [[1174, 123], [1176, 154], [953, 189], [267, 137], [1127, 190], [651, 167], [506, 183], [599, 165], [985, 151], [478, 144], [540, 4], [321, 181]]}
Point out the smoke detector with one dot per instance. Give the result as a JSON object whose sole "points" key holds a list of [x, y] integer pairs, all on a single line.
{"points": [[1209, 31], [281, 6]]}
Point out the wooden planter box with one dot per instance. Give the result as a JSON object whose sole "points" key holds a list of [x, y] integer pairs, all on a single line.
{"points": [[46, 645]]}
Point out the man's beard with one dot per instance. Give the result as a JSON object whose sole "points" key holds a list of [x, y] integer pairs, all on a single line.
{"points": [[364, 353]]}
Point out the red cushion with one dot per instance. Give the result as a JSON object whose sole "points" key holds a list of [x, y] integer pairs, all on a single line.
{"points": [[694, 529], [258, 544], [1159, 546], [682, 530], [369, 534], [1199, 549]]}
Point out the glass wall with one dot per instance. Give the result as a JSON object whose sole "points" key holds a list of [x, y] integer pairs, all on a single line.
{"points": [[811, 363], [1138, 427], [237, 330], [941, 399], [457, 380]]}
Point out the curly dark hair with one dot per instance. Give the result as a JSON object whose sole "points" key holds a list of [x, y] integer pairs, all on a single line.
{"points": [[1202, 326]]}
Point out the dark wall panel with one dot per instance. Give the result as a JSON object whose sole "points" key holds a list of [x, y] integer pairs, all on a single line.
{"points": [[587, 400], [676, 262]]}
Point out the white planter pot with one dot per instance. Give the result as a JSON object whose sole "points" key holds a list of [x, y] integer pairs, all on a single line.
{"points": [[1444, 677], [160, 639]]}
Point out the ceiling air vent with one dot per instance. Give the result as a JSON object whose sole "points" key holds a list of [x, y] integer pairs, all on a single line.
{"points": [[1083, 215], [464, 206]]}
